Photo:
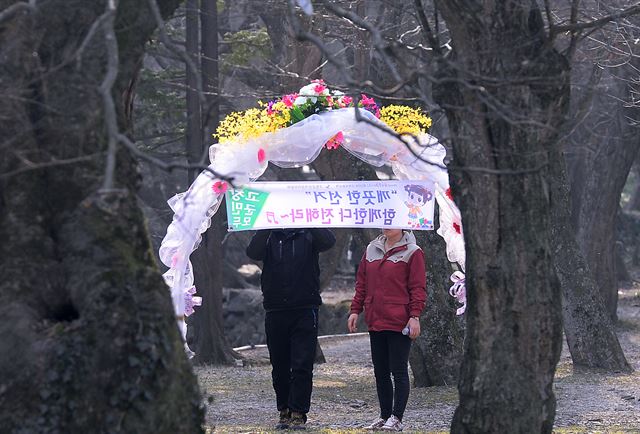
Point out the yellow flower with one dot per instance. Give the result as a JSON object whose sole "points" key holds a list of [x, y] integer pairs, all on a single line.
{"points": [[405, 120], [244, 125], [281, 116]]}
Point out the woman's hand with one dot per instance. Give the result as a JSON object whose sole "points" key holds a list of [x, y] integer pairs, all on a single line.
{"points": [[351, 323], [414, 328]]}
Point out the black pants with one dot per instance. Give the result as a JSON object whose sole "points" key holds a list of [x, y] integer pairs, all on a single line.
{"points": [[292, 336], [390, 356]]}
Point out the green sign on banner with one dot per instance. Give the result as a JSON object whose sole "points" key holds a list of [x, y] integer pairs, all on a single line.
{"points": [[244, 206]]}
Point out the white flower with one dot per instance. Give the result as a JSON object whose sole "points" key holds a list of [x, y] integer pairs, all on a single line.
{"points": [[310, 92], [303, 99]]}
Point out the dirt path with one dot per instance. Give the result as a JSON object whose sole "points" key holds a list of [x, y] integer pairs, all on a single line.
{"points": [[344, 397]]}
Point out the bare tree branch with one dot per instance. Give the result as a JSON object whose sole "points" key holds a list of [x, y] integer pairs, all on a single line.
{"points": [[127, 143], [105, 90], [16, 8], [155, 10], [426, 28], [575, 27], [30, 165]]}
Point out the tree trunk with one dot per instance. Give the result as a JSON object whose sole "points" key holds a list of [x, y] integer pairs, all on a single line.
{"points": [[604, 174], [437, 353], [634, 200], [622, 274], [194, 142], [319, 359], [89, 337], [210, 70], [588, 327], [209, 342], [507, 93]]}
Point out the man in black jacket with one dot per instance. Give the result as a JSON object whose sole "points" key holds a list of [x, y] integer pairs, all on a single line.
{"points": [[291, 290]]}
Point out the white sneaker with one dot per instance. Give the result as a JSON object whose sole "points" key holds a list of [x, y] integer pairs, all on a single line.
{"points": [[377, 424], [392, 424]]}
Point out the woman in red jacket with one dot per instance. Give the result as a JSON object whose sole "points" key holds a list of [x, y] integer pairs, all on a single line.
{"points": [[390, 287]]}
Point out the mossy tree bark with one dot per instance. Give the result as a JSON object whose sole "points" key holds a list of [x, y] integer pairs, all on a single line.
{"points": [[505, 92], [89, 338]]}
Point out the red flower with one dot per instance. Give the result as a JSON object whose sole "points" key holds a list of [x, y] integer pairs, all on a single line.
{"points": [[448, 194], [289, 99], [219, 187], [367, 100], [457, 227], [346, 100], [335, 141], [261, 155], [319, 88]]}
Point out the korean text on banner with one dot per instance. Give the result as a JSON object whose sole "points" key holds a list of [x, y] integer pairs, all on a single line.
{"points": [[369, 204]]}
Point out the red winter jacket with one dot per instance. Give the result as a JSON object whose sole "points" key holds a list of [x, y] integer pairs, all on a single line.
{"points": [[390, 286]]}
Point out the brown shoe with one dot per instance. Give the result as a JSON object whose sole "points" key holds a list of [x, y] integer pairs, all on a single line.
{"points": [[285, 419], [298, 421]]}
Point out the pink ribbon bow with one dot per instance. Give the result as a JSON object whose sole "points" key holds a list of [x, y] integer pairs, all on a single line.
{"points": [[459, 291], [190, 301]]}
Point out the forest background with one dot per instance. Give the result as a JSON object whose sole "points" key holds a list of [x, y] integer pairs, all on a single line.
{"points": [[109, 109]]}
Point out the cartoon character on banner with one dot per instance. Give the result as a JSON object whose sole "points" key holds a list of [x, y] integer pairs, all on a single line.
{"points": [[417, 197]]}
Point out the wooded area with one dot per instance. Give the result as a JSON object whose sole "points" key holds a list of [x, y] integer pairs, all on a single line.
{"points": [[109, 109]]}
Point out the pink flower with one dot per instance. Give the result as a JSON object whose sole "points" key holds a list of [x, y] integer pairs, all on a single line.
{"points": [[329, 101], [261, 155], [367, 101], [319, 88], [219, 187], [318, 80], [289, 99], [270, 110], [335, 141], [346, 100]]}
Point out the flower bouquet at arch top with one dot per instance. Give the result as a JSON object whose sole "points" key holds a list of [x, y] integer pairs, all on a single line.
{"points": [[315, 98]]}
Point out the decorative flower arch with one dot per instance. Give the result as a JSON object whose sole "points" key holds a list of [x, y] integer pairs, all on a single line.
{"points": [[291, 132]]}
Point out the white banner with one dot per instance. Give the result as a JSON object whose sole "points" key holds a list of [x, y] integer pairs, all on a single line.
{"points": [[341, 204]]}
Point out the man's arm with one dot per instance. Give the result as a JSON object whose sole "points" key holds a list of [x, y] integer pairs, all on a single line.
{"points": [[257, 247], [323, 239]]}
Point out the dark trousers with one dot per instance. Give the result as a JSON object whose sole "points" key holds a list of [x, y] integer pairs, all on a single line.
{"points": [[390, 356], [292, 336]]}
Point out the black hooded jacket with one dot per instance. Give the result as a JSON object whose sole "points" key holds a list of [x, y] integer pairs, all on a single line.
{"points": [[290, 271]]}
